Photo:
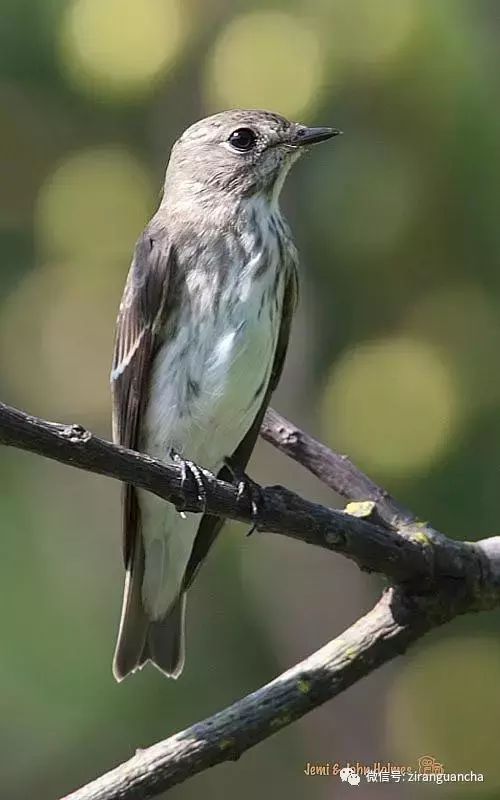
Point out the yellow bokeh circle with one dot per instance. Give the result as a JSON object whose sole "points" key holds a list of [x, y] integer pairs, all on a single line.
{"points": [[121, 47], [92, 208], [392, 405], [61, 325], [367, 33], [266, 59]]}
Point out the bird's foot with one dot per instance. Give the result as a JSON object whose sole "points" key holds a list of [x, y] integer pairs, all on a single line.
{"points": [[190, 472], [247, 489]]}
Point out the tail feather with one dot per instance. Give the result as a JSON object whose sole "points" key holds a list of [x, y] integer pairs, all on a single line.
{"points": [[141, 639], [134, 623], [165, 640]]}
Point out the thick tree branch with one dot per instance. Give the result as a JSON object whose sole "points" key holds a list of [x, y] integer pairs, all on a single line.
{"points": [[420, 554], [387, 630], [371, 546], [438, 578]]}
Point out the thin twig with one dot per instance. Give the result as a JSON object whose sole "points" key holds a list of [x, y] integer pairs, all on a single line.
{"points": [[336, 471]]}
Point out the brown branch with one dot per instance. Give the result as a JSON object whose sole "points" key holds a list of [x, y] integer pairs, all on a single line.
{"points": [[336, 471], [439, 578], [372, 547], [387, 630], [420, 554]]}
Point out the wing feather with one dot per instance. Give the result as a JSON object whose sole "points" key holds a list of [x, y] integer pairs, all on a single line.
{"points": [[142, 311]]}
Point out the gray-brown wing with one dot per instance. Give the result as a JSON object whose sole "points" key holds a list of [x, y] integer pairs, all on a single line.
{"points": [[210, 526], [143, 311]]}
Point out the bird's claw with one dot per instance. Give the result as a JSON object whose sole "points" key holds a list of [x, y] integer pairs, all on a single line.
{"points": [[247, 489], [190, 472]]}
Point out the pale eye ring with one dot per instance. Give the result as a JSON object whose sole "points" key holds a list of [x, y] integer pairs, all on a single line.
{"points": [[243, 139]]}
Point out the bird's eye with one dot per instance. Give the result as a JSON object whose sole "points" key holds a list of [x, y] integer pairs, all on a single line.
{"points": [[243, 139]]}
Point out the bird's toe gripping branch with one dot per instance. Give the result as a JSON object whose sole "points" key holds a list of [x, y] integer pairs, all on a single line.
{"points": [[247, 490], [190, 473]]}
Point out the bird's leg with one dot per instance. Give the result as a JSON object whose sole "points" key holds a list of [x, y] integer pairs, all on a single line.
{"points": [[190, 471], [246, 488]]}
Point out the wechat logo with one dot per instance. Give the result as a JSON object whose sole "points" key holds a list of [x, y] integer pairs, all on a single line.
{"points": [[348, 774]]}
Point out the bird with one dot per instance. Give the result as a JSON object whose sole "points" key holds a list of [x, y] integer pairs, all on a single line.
{"points": [[201, 338]]}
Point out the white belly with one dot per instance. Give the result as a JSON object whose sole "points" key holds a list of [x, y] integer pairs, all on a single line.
{"points": [[204, 392], [202, 404]]}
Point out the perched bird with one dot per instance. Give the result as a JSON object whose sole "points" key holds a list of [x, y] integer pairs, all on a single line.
{"points": [[201, 337]]}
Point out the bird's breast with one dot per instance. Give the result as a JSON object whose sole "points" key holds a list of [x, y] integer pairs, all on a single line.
{"points": [[209, 378]]}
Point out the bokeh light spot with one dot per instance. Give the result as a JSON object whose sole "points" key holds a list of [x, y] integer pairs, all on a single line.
{"points": [[266, 59], [446, 702], [392, 405], [120, 48], [92, 208], [367, 33], [61, 332]]}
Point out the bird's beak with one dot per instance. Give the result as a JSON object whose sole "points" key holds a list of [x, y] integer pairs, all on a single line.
{"points": [[304, 136]]}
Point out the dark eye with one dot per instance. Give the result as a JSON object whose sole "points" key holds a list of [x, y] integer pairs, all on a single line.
{"points": [[242, 139]]}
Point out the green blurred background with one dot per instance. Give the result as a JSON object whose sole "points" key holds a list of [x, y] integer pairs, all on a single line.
{"points": [[393, 360]]}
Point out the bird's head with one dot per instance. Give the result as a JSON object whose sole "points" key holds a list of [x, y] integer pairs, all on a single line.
{"points": [[240, 153]]}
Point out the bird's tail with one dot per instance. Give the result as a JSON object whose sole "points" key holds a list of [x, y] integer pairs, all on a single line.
{"points": [[141, 639]]}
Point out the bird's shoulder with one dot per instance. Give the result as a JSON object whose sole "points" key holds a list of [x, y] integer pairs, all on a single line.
{"points": [[143, 302]]}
